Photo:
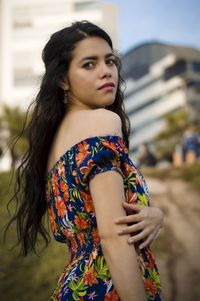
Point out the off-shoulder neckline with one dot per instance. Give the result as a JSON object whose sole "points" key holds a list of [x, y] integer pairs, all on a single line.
{"points": [[75, 145]]}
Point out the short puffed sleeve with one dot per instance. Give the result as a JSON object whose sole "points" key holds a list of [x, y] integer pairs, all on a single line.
{"points": [[99, 154]]}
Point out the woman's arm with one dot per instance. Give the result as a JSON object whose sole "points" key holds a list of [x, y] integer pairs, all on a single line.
{"points": [[148, 222], [107, 192]]}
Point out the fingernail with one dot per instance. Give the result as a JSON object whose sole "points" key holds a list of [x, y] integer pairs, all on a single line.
{"points": [[116, 220], [130, 240], [119, 231]]}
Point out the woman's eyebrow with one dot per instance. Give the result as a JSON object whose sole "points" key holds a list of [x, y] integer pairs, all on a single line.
{"points": [[94, 57]]}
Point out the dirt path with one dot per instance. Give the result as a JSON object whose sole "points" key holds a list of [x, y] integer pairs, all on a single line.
{"points": [[178, 247]]}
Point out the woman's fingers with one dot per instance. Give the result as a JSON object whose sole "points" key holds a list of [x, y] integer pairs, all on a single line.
{"points": [[143, 223], [132, 207], [147, 241], [139, 236], [131, 229], [128, 219], [147, 234], [152, 236]]}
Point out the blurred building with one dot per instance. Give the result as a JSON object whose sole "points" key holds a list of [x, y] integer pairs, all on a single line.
{"points": [[25, 27], [160, 79]]}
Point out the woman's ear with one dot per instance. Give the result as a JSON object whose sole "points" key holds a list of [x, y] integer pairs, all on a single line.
{"points": [[64, 84]]}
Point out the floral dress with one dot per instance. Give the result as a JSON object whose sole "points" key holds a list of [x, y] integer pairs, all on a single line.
{"points": [[73, 220]]}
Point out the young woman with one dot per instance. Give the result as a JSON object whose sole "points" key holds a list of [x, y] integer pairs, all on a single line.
{"points": [[78, 168]]}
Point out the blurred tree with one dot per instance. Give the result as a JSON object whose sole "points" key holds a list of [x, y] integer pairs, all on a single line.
{"points": [[167, 139], [11, 125]]}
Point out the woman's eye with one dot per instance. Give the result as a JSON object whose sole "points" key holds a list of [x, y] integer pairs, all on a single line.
{"points": [[88, 65], [111, 61]]}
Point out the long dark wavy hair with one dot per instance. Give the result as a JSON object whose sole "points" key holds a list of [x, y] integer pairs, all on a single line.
{"points": [[49, 110]]}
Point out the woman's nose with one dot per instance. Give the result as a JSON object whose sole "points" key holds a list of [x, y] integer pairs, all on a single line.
{"points": [[105, 71]]}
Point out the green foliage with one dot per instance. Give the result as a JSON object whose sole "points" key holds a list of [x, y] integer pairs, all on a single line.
{"points": [[167, 139], [176, 122], [31, 278], [11, 123]]}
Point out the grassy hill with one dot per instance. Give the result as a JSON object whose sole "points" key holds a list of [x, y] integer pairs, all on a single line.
{"points": [[32, 278]]}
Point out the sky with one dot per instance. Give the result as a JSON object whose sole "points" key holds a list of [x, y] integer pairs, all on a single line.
{"points": [[172, 21]]}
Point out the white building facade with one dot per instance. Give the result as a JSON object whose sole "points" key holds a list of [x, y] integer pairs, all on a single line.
{"points": [[160, 79], [25, 27]]}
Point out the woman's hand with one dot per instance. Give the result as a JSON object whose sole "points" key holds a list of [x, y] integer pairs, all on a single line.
{"points": [[147, 223]]}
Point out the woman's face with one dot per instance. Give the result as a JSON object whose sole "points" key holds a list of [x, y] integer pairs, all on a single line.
{"points": [[92, 66]]}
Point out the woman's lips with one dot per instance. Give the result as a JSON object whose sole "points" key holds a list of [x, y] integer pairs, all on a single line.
{"points": [[107, 87]]}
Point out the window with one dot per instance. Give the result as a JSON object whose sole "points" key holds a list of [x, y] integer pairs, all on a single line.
{"points": [[22, 24], [177, 69], [136, 71], [24, 77], [196, 67], [79, 6]]}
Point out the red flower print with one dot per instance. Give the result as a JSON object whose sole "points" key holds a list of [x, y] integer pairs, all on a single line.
{"points": [[83, 152], [150, 286], [122, 145], [89, 206], [74, 245], [90, 277], [68, 233], [66, 196], [127, 168], [81, 238], [88, 202], [131, 197], [60, 205], [54, 177], [81, 223], [151, 260], [111, 296], [64, 188], [56, 190], [61, 168], [52, 220], [48, 192], [86, 169], [111, 145], [95, 236]]}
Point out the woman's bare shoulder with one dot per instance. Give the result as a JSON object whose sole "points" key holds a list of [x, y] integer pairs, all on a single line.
{"points": [[101, 112], [103, 121], [94, 122], [106, 113]]}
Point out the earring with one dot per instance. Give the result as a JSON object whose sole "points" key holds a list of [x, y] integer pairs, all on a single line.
{"points": [[65, 96]]}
